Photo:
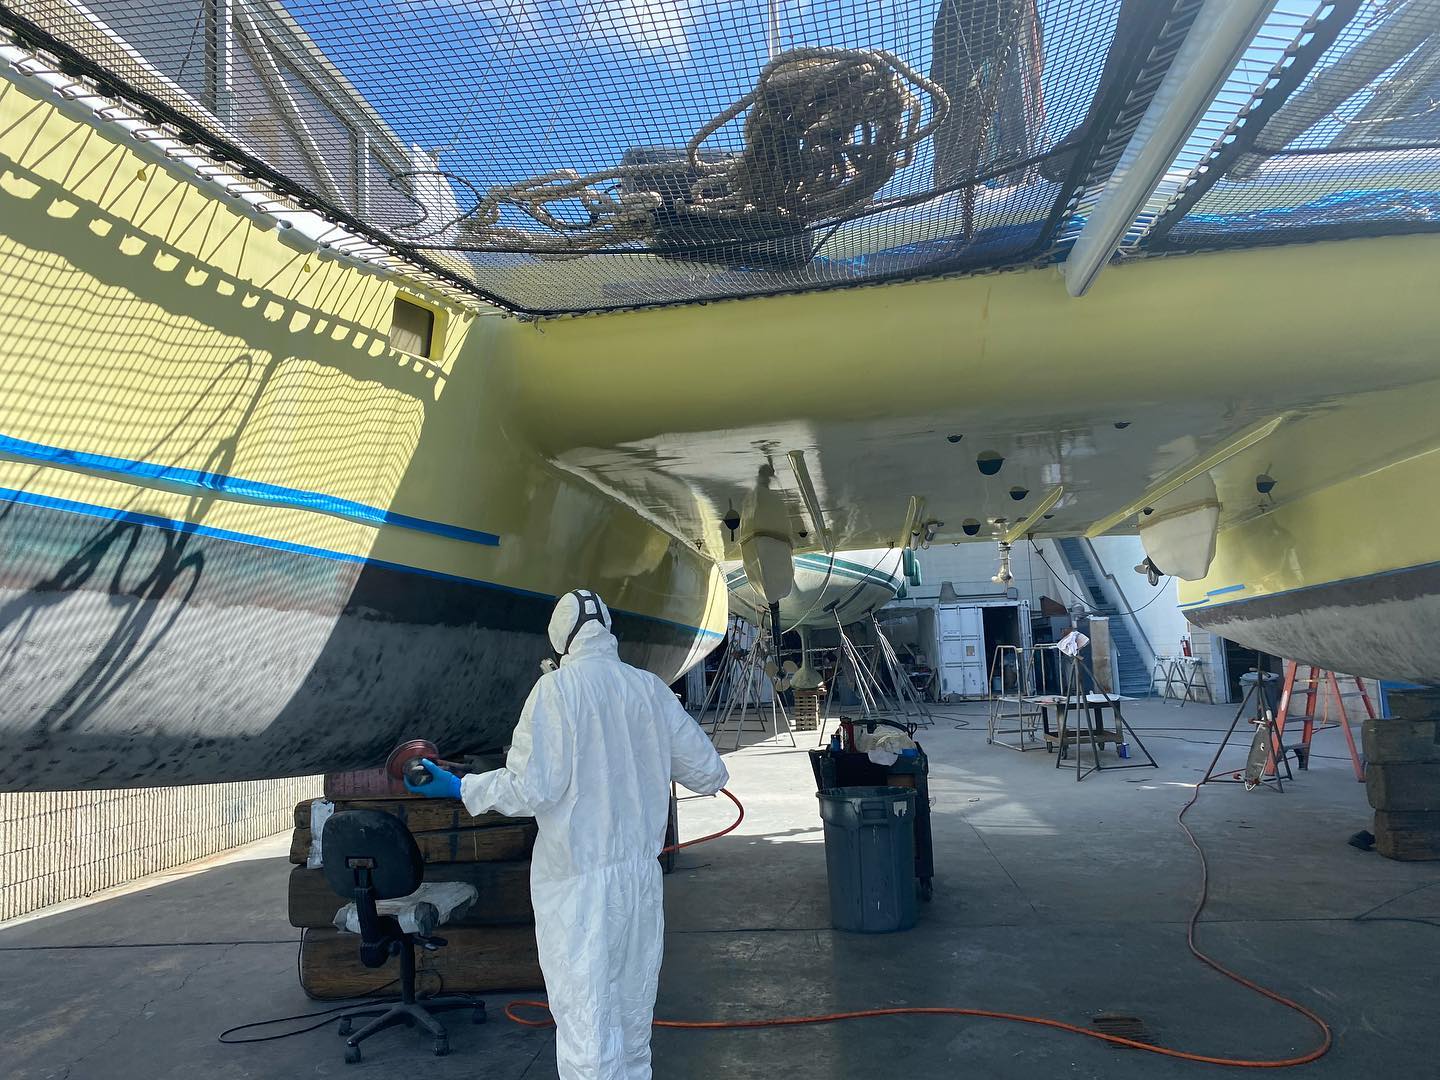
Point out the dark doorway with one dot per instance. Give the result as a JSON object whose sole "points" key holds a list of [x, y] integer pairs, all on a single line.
{"points": [[1239, 660]]}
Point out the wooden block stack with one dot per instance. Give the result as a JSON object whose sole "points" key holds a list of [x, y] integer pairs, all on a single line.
{"points": [[806, 714], [491, 948], [1402, 776]]}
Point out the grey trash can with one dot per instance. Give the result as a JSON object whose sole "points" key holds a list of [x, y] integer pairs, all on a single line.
{"points": [[870, 857], [1269, 688]]}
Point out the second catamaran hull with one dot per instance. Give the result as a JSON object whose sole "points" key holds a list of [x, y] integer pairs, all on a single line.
{"points": [[844, 587]]}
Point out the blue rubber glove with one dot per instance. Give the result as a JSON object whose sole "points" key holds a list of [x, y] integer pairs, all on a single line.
{"points": [[442, 785]]}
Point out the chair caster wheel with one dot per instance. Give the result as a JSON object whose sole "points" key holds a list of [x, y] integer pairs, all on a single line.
{"points": [[442, 1047], [345, 1028], [478, 1016], [352, 1055]]}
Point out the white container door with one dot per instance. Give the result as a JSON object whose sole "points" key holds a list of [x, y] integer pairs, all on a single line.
{"points": [[962, 651]]}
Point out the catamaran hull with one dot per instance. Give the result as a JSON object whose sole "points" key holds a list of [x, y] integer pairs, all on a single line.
{"points": [[827, 590], [1381, 626], [242, 533], [135, 654], [1346, 576]]}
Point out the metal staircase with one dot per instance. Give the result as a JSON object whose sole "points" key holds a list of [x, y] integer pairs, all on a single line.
{"points": [[1134, 673]]}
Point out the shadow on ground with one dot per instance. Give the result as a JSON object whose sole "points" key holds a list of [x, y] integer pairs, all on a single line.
{"points": [[1052, 897]]}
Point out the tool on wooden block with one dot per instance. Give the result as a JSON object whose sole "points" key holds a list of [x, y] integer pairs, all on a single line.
{"points": [[407, 762]]}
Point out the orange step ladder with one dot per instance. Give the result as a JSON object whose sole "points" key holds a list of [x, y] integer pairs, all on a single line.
{"points": [[1314, 687]]}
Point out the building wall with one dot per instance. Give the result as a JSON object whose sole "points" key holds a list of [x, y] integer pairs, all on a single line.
{"points": [[969, 567], [1154, 606], [64, 845]]}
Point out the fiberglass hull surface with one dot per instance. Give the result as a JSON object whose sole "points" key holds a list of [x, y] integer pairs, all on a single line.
{"points": [[241, 535], [137, 653]]}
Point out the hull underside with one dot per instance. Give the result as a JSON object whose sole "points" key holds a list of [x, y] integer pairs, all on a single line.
{"points": [[133, 655], [1381, 626]]}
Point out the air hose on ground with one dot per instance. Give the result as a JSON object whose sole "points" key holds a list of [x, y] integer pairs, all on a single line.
{"points": [[740, 816], [1319, 1051]]}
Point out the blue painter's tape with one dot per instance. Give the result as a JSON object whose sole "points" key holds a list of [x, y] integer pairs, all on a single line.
{"points": [[155, 521], [234, 487], [1194, 603], [1223, 590]]}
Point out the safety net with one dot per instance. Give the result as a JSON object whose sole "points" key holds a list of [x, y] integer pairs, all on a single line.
{"points": [[579, 155], [572, 155], [1340, 138]]}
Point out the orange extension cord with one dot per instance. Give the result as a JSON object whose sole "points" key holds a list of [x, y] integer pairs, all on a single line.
{"points": [[1327, 1038]]}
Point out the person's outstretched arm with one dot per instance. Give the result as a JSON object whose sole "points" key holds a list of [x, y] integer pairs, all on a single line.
{"points": [[693, 760], [538, 768]]}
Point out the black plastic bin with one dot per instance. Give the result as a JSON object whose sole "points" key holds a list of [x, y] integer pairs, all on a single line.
{"points": [[836, 768], [870, 857]]}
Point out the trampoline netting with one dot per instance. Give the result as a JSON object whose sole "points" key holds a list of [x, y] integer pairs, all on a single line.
{"points": [[1341, 139], [577, 155]]}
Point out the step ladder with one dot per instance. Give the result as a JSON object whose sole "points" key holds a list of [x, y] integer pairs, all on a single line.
{"points": [[1317, 685]]}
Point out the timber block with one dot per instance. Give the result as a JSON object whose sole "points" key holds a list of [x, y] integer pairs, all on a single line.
{"points": [[504, 889], [419, 815], [1401, 741], [1408, 835], [476, 960], [1407, 786], [360, 783], [497, 844], [1421, 703]]}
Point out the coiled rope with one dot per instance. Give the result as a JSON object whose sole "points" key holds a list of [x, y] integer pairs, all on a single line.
{"points": [[826, 129]]}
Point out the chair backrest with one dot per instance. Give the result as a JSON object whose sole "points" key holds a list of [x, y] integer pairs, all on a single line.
{"points": [[358, 840]]}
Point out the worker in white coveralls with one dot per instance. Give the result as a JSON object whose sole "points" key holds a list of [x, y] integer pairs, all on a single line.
{"points": [[591, 759]]}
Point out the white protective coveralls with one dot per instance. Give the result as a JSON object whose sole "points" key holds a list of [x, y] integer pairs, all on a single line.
{"points": [[591, 759]]}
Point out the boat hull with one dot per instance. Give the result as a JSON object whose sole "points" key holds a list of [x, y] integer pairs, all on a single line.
{"points": [[243, 535], [135, 654], [1346, 576], [844, 588]]}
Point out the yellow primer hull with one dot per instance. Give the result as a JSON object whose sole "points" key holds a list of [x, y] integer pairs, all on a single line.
{"points": [[241, 535]]}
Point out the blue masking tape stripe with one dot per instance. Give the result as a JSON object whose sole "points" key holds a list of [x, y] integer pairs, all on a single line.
{"points": [[235, 487], [155, 521]]}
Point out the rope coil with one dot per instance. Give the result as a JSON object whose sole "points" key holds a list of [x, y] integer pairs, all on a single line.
{"points": [[826, 129]]}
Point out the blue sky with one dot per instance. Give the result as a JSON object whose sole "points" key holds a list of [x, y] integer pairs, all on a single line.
{"points": [[511, 88]]}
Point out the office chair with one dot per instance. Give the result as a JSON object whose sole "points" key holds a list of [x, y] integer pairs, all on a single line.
{"points": [[371, 856]]}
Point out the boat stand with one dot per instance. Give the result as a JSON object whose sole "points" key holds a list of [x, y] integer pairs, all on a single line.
{"points": [[1267, 749], [738, 693]]}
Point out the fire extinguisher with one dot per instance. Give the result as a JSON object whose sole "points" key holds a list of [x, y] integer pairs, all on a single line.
{"points": [[1185, 644]]}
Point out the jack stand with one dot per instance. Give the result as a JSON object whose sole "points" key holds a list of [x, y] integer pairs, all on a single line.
{"points": [[742, 671], [861, 675], [1267, 750], [906, 696]]}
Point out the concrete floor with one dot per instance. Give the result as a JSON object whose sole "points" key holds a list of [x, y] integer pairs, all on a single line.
{"points": [[1052, 897]]}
